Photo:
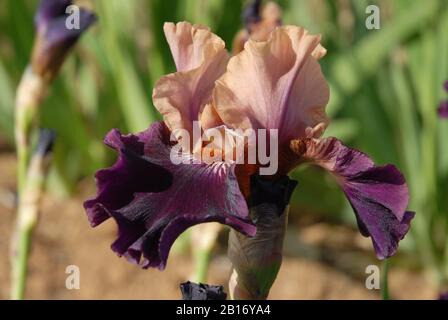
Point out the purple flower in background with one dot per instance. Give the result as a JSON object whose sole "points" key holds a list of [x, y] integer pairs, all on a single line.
{"points": [[443, 106], [443, 295], [259, 21], [252, 13], [443, 109], [56, 35]]}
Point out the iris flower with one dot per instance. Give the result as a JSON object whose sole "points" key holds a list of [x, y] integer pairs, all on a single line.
{"points": [[274, 84]]}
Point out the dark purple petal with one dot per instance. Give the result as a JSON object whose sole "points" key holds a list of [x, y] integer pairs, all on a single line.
{"points": [[443, 109], [132, 173], [54, 39], [201, 291], [151, 220], [273, 191], [378, 195]]}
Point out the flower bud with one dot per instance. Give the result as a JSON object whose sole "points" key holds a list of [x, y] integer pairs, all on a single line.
{"points": [[54, 37]]}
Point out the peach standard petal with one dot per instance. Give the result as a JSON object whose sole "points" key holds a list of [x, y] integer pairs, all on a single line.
{"points": [[200, 58], [277, 84]]}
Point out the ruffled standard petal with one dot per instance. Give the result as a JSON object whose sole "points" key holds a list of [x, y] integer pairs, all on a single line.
{"points": [[199, 193], [54, 39], [276, 84], [209, 118], [378, 195], [200, 58], [132, 173], [191, 45]]}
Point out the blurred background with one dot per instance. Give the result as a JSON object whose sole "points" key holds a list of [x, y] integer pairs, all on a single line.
{"points": [[386, 85]]}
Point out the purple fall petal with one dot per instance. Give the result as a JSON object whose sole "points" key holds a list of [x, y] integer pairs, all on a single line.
{"points": [[378, 195], [379, 198], [132, 173], [152, 220]]}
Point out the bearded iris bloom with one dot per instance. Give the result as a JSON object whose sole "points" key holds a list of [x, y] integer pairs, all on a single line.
{"points": [[273, 85]]}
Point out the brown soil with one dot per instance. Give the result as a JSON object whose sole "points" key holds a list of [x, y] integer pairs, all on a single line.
{"points": [[317, 265]]}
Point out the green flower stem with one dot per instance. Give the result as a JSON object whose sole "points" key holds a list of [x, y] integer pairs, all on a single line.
{"points": [[19, 261], [202, 262], [23, 127], [28, 211], [22, 164], [445, 262], [30, 93]]}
